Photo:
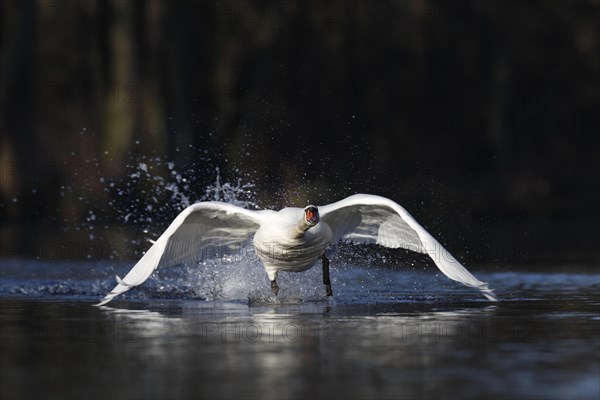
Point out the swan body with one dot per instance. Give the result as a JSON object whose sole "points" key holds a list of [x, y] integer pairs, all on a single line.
{"points": [[281, 248], [292, 239]]}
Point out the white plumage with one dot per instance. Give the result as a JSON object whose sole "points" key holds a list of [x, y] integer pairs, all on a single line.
{"points": [[213, 229]]}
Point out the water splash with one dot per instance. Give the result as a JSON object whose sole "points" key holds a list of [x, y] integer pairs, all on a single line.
{"points": [[208, 279], [168, 194], [239, 194]]}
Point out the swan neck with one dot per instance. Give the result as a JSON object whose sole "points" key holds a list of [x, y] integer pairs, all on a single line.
{"points": [[301, 228]]}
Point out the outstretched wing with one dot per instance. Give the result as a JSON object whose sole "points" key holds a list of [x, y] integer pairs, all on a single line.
{"points": [[364, 218], [200, 231]]}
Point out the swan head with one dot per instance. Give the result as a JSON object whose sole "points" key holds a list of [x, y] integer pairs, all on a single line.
{"points": [[311, 215]]}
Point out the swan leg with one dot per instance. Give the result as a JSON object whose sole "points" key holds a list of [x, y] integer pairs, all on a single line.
{"points": [[326, 279], [272, 274], [274, 287]]}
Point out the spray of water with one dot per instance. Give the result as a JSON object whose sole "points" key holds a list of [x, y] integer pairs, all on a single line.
{"points": [[225, 277]]}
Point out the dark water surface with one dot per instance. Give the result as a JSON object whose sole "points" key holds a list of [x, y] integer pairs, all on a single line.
{"points": [[385, 334]]}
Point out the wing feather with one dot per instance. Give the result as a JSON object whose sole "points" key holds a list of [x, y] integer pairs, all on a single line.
{"points": [[366, 218], [201, 231]]}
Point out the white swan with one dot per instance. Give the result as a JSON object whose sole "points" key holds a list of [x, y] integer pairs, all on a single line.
{"points": [[291, 239]]}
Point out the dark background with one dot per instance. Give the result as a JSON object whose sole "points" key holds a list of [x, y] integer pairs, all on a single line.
{"points": [[479, 117]]}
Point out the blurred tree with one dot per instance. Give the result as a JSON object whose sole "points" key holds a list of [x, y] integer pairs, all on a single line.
{"points": [[481, 114]]}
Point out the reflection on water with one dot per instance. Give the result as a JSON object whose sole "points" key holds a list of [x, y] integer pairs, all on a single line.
{"points": [[541, 341], [317, 347]]}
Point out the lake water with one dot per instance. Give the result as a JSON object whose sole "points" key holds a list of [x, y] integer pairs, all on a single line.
{"points": [[215, 332]]}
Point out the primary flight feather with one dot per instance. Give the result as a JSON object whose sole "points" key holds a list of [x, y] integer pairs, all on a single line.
{"points": [[291, 239]]}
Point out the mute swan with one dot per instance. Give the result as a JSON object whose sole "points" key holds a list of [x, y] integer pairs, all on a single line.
{"points": [[291, 239]]}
